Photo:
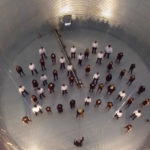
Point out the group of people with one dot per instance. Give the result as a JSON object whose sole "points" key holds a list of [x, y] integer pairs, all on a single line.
{"points": [[64, 88]]}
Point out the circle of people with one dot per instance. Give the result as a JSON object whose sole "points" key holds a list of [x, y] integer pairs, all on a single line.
{"points": [[80, 112]]}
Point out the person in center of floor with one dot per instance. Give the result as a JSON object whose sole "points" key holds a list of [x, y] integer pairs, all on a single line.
{"points": [[78, 143]]}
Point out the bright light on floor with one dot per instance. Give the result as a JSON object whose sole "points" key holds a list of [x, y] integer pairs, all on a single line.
{"points": [[65, 9]]}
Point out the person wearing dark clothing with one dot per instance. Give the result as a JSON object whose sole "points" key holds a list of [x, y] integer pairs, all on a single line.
{"points": [[51, 87], [35, 84], [119, 57], [53, 57], [26, 119], [128, 127], [100, 87], [78, 143], [129, 102], [71, 80], [131, 79], [42, 64], [92, 87], [122, 73], [110, 89], [98, 102], [72, 103], [55, 74], [20, 70], [131, 68], [145, 102], [60, 108], [141, 90], [87, 69], [48, 110], [108, 78], [86, 53], [80, 112], [110, 66], [109, 105], [34, 99]]}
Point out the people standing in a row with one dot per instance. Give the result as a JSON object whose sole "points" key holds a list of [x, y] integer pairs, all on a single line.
{"points": [[108, 51], [94, 47], [20, 70]]}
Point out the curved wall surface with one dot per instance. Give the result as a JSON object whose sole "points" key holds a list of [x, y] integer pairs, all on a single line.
{"points": [[21, 21]]}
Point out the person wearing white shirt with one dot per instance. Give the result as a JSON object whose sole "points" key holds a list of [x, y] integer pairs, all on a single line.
{"points": [[44, 79], [42, 52], [118, 114], [32, 68], [36, 109], [73, 52], [136, 114], [121, 95], [94, 47], [80, 58], [22, 90], [64, 89], [99, 57], [40, 91], [87, 100], [62, 62], [69, 69], [108, 51], [96, 77]]}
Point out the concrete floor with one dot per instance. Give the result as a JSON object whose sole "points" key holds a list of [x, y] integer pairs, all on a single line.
{"points": [[57, 131]]}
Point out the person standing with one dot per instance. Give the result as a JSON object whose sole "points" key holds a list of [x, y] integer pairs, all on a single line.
{"points": [[145, 102], [108, 51], [34, 99], [51, 87], [118, 114], [73, 52], [78, 143], [20, 70], [42, 62], [60, 108], [48, 110], [53, 57], [122, 73], [87, 100], [26, 120], [128, 127], [131, 79], [72, 103], [64, 89], [121, 95], [94, 47], [80, 58], [87, 69], [131, 68], [44, 79], [86, 53], [69, 70], [55, 74], [22, 90], [71, 80], [92, 87], [110, 89], [100, 87], [40, 91], [42, 52], [36, 109], [136, 114], [99, 57], [110, 66], [32, 68], [35, 84], [80, 112], [141, 90], [96, 77], [62, 62], [129, 102], [109, 105], [98, 102], [108, 78], [119, 57]]}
